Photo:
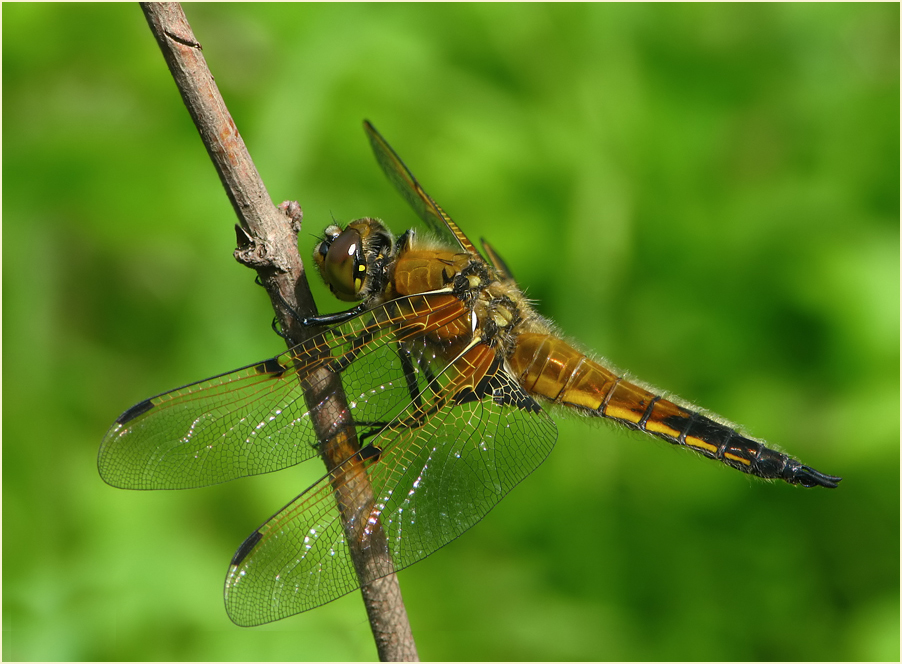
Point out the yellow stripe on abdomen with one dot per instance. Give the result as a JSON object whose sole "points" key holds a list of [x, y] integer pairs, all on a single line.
{"points": [[549, 367]]}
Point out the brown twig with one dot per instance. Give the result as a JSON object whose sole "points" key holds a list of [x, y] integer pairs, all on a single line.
{"points": [[267, 241]]}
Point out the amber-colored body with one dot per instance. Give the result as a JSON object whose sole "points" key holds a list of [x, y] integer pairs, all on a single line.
{"points": [[444, 366], [550, 368]]}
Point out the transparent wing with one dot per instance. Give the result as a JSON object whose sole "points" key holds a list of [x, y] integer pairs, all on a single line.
{"points": [[255, 419], [426, 208], [432, 474], [504, 272]]}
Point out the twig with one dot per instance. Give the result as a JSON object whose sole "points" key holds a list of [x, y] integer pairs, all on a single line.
{"points": [[267, 241]]}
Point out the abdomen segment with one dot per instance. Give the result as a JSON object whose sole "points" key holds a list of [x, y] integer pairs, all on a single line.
{"points": [[551, 368]]}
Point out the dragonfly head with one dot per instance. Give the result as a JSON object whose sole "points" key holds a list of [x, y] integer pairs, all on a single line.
{"points": [[352, 260]]}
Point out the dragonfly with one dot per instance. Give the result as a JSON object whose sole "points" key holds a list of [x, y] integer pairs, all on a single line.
{"points": [[448, 374]]}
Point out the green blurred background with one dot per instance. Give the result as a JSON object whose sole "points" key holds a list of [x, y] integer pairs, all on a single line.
{"points": [[707, 195]]}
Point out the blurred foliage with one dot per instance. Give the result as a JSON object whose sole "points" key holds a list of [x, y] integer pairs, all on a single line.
{"points": [[707, 194]]}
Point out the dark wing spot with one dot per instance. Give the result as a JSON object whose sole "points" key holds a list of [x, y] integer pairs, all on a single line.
{"points": [[246, 547], [508, 394], [503, 390], [270, 366], [370, 452], [360, 342], [466, 395], [135, 411]]}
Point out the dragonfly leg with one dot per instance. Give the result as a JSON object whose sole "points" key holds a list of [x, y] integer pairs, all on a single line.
{"points": [[275, 328], [410, 375], [330, 319], [317, 321], [413, 388]]}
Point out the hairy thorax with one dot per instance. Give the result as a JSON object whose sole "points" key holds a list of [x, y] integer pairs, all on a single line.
{"points": [[499, 310]]}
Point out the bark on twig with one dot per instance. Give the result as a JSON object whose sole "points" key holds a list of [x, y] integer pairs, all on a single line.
{"points": [[267, 241]]}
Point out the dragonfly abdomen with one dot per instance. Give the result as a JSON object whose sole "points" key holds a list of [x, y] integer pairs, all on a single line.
{"points": [[551, 368]]}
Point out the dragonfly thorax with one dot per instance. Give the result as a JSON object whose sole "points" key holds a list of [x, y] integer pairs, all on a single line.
{"points": [[444, 363], [499, 310]]}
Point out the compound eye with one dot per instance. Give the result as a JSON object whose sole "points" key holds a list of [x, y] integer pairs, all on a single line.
{"points": [[343, 268]]}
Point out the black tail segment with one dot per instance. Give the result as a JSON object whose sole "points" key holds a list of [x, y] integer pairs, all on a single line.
{"points": [[796, 473], [771, 464], [714, 440]]}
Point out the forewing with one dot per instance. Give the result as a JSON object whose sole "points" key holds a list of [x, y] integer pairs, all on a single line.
{"points": [[426, 208], [255, 419], [504, 272], [442, 467]]}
